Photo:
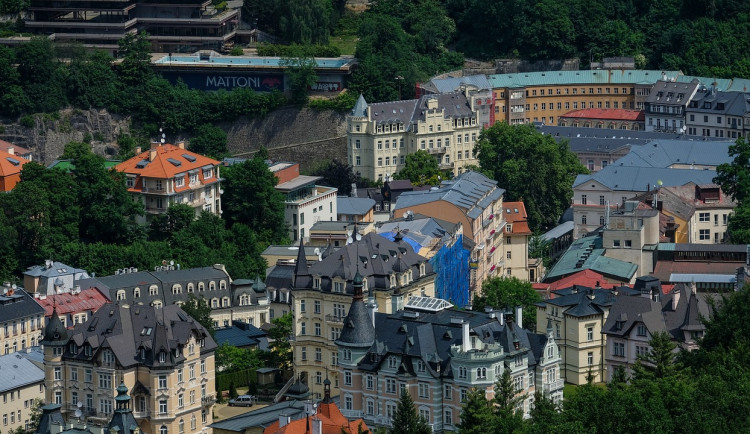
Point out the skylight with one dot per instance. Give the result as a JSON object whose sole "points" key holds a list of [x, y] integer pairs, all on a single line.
{"points": [[174, 162]]}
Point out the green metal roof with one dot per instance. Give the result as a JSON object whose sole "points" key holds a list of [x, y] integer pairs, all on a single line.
{"points": [[589, 253], [599, 76], [67, 165]]}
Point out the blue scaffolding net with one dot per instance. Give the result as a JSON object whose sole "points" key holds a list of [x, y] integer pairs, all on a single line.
{"points": [[451, 266]]}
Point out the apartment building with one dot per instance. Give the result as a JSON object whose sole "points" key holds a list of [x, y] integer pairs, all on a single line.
{"points": [[189, 26], [517, 235], [665, 106], [73, 306], [612, 119], [22, 385], [305, 203], [21, 319], [479, 93], [52, 277], [10, 169], [167, 174], [476, 202], [390, 272], [576, 316], [381, 135], [163, 357], [713, 113], [438, 354]]}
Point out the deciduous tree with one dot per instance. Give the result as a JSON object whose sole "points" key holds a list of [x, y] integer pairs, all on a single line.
{"points": [[509, 292], [199, 309], [281, 349], [420, 168]]}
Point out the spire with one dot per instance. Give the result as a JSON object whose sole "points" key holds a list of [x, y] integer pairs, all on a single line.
{"points": [[300, 268], [326, 389], [358, 330], [55, 332], [360, 108], [357, 285]]}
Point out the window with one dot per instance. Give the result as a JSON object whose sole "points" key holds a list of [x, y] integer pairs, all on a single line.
{"points": [[641, 330], [105, 381], [590, 358], [481, 373], [192, 396], [191, 369], [302, 306], [303, 353], [180, 400], [370, 407], [424, 390], [162, 381], [619, 349], [425, 413], [583, 219], [615, 243], [317, 329], [589, 333], [628, 244], [58, 400], [584, 198], [74, 374], [463, 394], [318, 355], [88, 375], [704, 234], [462, 372], [390, 385], [302, 328], [346, 355], [58, 374], [704, 217], [317, 306], [448, 392], [518, 382], [163, 406], [105, 406], [347, 378]]}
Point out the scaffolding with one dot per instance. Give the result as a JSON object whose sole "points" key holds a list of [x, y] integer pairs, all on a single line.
{"points": [[452, 275]]}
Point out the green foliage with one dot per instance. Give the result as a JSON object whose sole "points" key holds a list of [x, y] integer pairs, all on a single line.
{"points": [[237, 51], [406, 420], [300, 74], [420, 168], [246, 377], [738, 228], [27, 121], [337, 174], [295, 21], [343, 102], [13, 7], [540, 248], [279, 345], [659, 362], [200, 310], [210, 141], [251, 199], [292, 50], [508, 292], [477, 416], [734, 177], [232, 390], [532, 167], [135, 50], [232, 359]]}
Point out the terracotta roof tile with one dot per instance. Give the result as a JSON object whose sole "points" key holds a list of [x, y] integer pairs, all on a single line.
{"points": [[333, 422], [607, 114], [169, 161], [88, 300]]}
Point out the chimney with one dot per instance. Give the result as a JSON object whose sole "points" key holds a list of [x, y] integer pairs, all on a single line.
{"points": [[284, 420], [501, 318], [519, 316], [138, 150], [676, 298], [465, 340], [354, 189], [181, 144], [152, 154], [11, 151], [372, 307], [317, 425], [397, 302]]}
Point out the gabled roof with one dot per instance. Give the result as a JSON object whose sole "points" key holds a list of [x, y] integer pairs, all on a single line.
{"points": [[331, 420], [584, 77], [587, 253], [515, 214], [260, 418], [169, 161], [354, 205], [607, 114], [668, 153], [16, 304], [10, 164], [454, 105], [629, 178], [18, 150], [17, 371], [88, 300]]}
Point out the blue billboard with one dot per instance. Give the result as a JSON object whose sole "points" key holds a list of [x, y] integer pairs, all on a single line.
{"points": [[215, 80]]}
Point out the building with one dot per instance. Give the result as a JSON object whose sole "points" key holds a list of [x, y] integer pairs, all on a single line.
{"points": [[632, 322], [385, 197], [576, 315], [476, 202], [163, 357], [713, 267], [16, 150], [517, 236], [355, 209], [242, 335], [190, 27], [168, 174], [666, 104], [306, 203], [73, 306], [438, 354], [255, 421], [479, 92], [713, 113], [22, 385], [381, 135], [391, 273], [53, 277], [21, 318], [612, 119], [275, 253], [284, 171], [10, 169]]}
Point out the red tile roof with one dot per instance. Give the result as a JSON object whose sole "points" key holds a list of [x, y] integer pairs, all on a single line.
{"points": [[18, 150], [333, 422], [515, 214], [10, 170], [88, 300], [162, 166], [664, 269], [607, 114]]}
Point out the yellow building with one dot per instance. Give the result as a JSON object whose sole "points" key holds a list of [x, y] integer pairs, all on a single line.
{"points": [[21, 320], [517, 235], [321, 296], [381, 135], [22, 384], [164, 358]]}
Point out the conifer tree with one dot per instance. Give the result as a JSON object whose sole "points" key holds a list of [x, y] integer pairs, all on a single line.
{"points": [[476, 415], [406, 420]]}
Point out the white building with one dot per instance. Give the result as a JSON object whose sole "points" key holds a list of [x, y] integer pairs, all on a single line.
{"points": [[307, 203]]}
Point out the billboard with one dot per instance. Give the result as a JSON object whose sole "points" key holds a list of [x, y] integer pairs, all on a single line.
{"points": [[215, 80]]}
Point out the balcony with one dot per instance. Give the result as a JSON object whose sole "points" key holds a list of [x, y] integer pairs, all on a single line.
{"points": [[335, 318], [141, 414], [553, 386], [444, 166], [440, 150], [208, 399]]}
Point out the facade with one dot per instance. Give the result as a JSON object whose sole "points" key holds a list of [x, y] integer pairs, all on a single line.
{"points": [[666, 104], [23, 383], [632, 235], [479, 92], [189, 27], [168, 174], [576, 315], [53, 277], [10, 169], [73, 306], [713, 113], [613, 119], [284, 171], [476, 202], [633, 320], [437, 355], [244, 300], [21, 318], [391, 273], [386, 196], [355, 209], [306, 203], [381, 135], [163, 357], [517, 235]]}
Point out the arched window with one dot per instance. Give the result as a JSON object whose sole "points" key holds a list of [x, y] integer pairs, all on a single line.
{"points": [[201, 286], [222, 284], [243, 300], [153, 290], [121, 294], [163, 430], [393, 280], [214, 302], [182, 426], [421, 269], [176, 289], [157, 304], [136, 292], [190, 287], [225, 302], [212, 286], [192, 422]]}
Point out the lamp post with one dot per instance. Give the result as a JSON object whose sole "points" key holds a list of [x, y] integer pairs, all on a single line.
{"points": [[399, 79]]}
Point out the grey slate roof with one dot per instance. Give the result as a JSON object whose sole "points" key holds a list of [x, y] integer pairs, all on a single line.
{"points": [[407, 112], [354, 205], [580, 301], [452, 84], [262, 417], [241, 334], [360, 108], [50, 416], [661, 89], [667, 153], [357, 330], [126, 330], [558, 231], [18, 305], [629, 178], [16, 371], [422, 230], [706, 101]]}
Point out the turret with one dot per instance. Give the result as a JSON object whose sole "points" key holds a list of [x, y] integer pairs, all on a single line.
{"points": [[358, 332]]}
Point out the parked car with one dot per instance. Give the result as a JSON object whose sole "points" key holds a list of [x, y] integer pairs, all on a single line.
{"points": [[242, 401]]}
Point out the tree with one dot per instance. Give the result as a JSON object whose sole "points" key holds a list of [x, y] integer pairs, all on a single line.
{"points": [[337, 174], [250, 198], [545, 414], [35, 414], [477, 416], [91, 82], [532, 167], [659, 362], [540, 248], [200, 310], [420, 168], [508, 292], [300, 72], [734, 177], [178, 217], [738, 228], [232, 390], [211, 141], [232, 359], [279, 345], [406, 420], [506, 401], [135, 50]]}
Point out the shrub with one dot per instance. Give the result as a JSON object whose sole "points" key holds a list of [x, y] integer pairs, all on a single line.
{"points": [[27, 121]]}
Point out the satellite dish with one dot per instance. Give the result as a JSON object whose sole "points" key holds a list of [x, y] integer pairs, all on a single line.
{"points": [[13, 286], [79, 405], [171, 262], [79, 413]]}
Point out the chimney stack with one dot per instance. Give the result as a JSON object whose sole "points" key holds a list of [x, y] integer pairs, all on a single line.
{"points": [[501, 318], [284, 420], [465, 341], [519, 316], [138, 150], [181, 144], [152, 154], [11, 151], [676, 298]]}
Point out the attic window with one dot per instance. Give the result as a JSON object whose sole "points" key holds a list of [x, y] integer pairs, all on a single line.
{"points": [[174, 162], [403, 328], [162, 357], [87, 351], [13, 161], [141, 164], [448, 335], [188, 157], [146, 331]]}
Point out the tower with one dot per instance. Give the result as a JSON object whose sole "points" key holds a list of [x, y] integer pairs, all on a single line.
{"points": [[358, 332], [55, 338]]}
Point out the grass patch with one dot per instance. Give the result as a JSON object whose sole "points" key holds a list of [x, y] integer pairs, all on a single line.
{"points": [[347, 44]]}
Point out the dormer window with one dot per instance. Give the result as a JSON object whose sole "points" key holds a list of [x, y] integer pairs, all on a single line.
{"points": [[422, 269], [142, 353], [87, 351], [73, 348], [162, 357], [393, 280], [316, 282]]}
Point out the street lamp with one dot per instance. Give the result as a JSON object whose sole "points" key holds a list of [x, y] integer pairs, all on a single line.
{"points": [[399, 79]]}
